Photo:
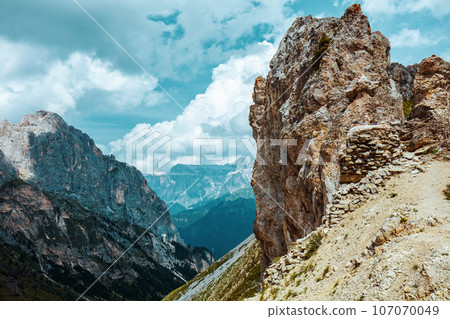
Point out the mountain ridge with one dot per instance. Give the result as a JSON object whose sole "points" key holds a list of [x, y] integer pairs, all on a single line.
{"points": [[74, 211]]}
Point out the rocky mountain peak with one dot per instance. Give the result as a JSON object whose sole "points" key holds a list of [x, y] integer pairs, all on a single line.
{"points": [[352, 13], [329, 76], [76, 210], [37, 123]]}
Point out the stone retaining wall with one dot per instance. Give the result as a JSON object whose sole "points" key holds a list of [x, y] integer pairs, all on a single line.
{"points": [[369, 147]]}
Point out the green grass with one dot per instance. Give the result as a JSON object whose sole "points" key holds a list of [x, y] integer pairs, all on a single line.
{"points": [[314, 244], [179, 291], [274, 291], [325, 271]]}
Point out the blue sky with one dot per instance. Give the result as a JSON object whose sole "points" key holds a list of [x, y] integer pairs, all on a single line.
{"points": [[204, 53]]}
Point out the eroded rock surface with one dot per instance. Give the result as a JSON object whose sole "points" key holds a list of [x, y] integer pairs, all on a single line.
{"points": [[331, 91], [315, 104], [67, 212]]}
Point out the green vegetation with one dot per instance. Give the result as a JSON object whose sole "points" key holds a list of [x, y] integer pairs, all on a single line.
{"points": [[392, 195], [407, 107], [240, 280], [295, 275], [314, 244], [277, 259], [249, 287], [430, 150], [214, 224], [447, 192], [181, 290], [274, 291], [325, 271], [324, 43], [21, 278]]}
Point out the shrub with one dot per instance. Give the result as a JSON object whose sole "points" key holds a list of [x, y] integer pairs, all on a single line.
{"points": [[324, 43], [447, 192], [407, 106], [314, 244], [430, 150], [325, 271]]}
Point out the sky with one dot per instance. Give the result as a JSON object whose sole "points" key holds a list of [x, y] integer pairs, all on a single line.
{"points": [[180, 70]]}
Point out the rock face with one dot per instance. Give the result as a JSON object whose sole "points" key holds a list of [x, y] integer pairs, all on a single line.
{"points": [[7, 172], [315, 102], [60, 159], [430, 112], [330, 111], [67, 212]]}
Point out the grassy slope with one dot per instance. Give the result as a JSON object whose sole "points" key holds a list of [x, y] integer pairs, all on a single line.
{"points": [[233, 277]]}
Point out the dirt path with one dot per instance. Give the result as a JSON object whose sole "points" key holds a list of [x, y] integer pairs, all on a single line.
{"points": [[410, 262]]}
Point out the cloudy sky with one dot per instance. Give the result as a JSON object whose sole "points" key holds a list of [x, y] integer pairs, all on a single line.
{"points": [[194, 61]]}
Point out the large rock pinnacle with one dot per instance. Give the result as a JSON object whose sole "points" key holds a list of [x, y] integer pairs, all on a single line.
{"points": [[328, 76]]}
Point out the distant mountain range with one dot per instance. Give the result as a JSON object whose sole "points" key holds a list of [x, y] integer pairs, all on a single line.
{"points": [[213, 182], [217, 212], [220, 224]]}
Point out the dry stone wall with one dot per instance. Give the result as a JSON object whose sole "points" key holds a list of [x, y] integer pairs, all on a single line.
{"points": [[369, 147]]}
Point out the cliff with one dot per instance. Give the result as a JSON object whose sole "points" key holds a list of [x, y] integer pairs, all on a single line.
{"points": [[331, 111], [67, 212]]}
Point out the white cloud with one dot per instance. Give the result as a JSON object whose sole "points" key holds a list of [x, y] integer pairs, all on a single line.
{"points": [[438, 8], [411, 38], [320, 15], [208, 31], [27, 86], [221, 111]]}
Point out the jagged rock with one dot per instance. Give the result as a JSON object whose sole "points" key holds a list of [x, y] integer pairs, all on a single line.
{"points": [[408, 156], [429, 82], [403, 77], [69, 211], [316, 105], [7, 171], [43, 145]]}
